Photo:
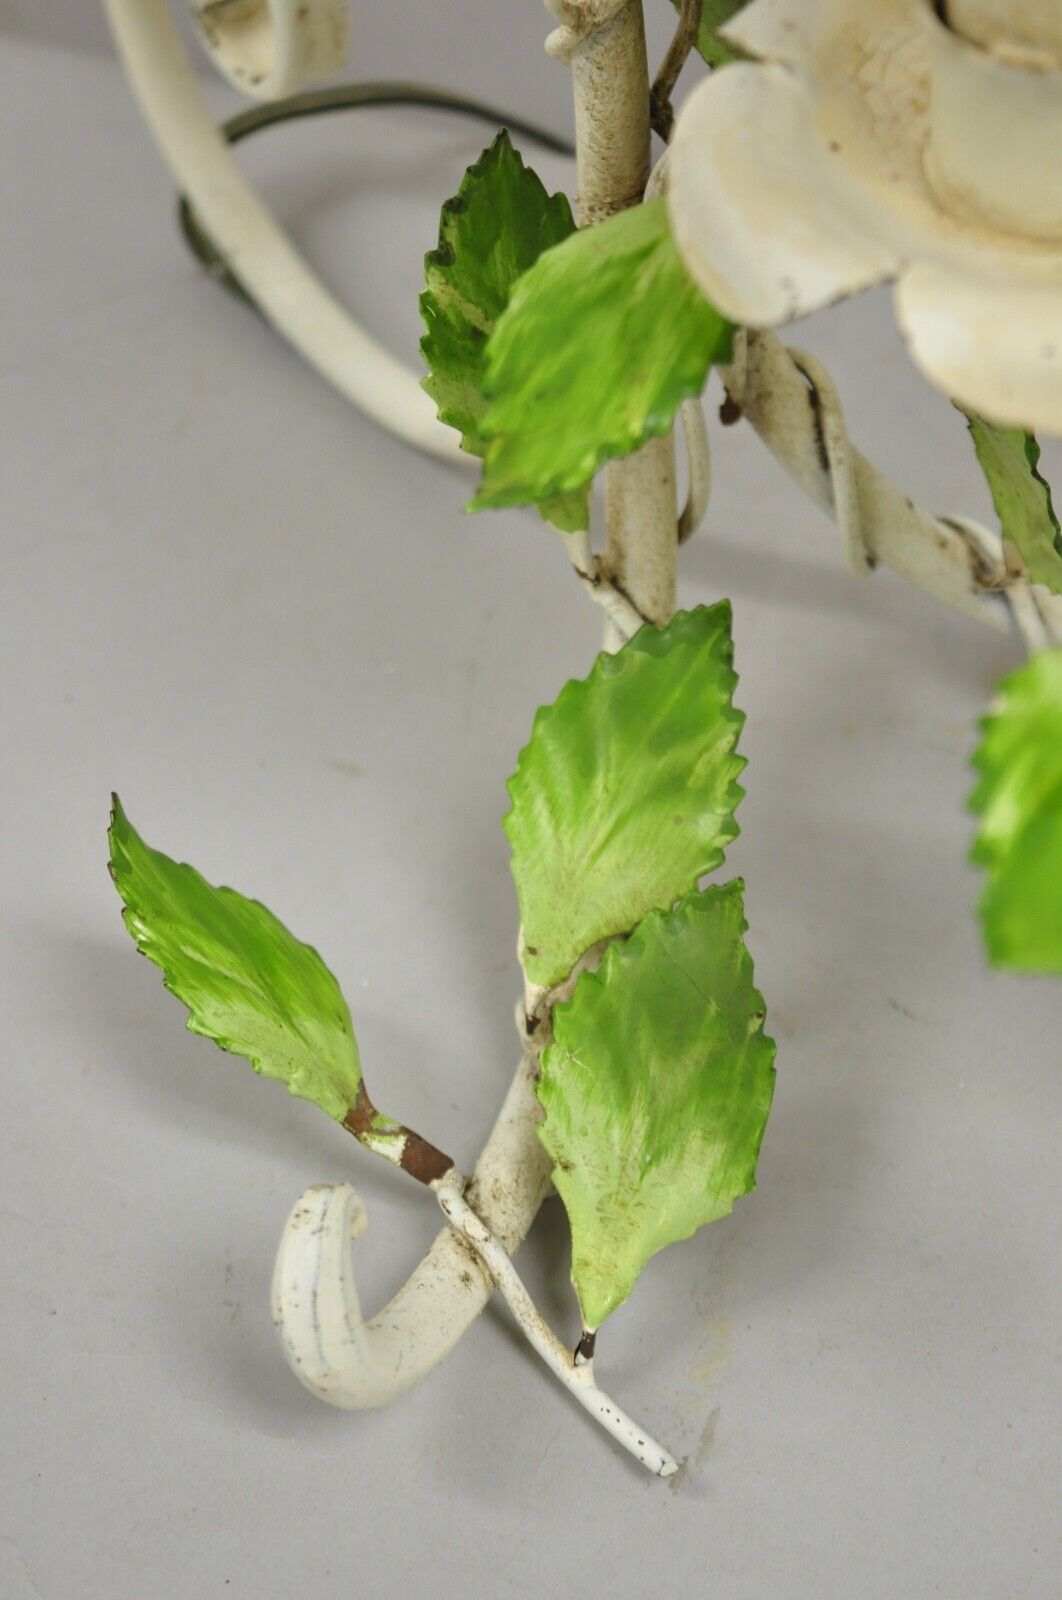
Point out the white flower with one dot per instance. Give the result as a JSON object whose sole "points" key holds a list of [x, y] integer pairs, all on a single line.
{"points": [[891, 140]]}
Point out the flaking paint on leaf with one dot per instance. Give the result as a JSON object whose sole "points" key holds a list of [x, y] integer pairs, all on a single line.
{"points": [[656, 1091]]}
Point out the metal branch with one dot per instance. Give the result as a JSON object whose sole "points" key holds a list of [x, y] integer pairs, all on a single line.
{"points": [[791, 402], [661, 112], [576, 1373]]}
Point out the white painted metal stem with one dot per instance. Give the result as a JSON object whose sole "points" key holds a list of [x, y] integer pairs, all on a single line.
{"points": [[287, 292], [577, 1378], [622, 617], [792, 404], [357, 1364], [605, 44]]}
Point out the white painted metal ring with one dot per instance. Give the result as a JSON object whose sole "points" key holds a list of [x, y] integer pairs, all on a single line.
{"points": [[270, 48]]}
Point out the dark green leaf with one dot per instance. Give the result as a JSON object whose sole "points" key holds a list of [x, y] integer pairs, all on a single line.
{"points": [[490, 233]]}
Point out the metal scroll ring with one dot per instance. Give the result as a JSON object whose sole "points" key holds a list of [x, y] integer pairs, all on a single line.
{"points": [[270, 48]]}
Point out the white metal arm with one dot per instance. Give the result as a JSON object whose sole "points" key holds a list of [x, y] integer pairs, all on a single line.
{"points": [[288, 293]]}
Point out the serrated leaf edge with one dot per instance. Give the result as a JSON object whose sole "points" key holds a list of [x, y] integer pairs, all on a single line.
{"points": [[657, 421], [143, 938], [684, 631], [636, 948]]}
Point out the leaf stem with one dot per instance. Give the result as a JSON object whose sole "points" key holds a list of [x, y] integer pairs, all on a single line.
{"points": [[577, 1376], [623, 617], [395, 1142], [661, 110]]}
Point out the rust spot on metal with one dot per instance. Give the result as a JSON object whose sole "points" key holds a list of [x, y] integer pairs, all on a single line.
{"points": [[358, 1119], [420, 1158]]}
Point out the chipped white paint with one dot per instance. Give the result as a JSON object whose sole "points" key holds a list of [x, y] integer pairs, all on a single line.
{"points": [[354, 1363], [579, 21], [622, 620], [873, 143], [270, 48]]}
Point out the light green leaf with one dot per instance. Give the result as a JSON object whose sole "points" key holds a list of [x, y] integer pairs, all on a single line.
{"points": [[247, 982], [601, 340], [714, 14], [1019, 798], [1010, 460], [626, 793], [490, 233], [656, 1090]]}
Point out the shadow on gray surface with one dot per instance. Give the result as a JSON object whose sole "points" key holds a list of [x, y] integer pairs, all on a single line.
{"points": [[818, 583], [69, 26]]}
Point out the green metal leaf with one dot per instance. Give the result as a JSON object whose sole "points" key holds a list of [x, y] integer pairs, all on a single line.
{"points": [[714, 14], [656, 1091], [490, 233], [626, 793], [1019, 798], [247, 982], [1010, 460], [601, 340]]}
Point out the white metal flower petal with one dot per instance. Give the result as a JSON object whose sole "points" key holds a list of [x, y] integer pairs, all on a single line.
{"points": [[768, 223], [875, 143], [993, 344]]}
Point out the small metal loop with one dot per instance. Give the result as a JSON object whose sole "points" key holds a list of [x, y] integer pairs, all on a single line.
{"points": [[269, 48], [836, 448]]}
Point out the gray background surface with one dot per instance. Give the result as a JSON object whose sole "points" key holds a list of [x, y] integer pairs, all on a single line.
{"points": [[274, 630]]}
